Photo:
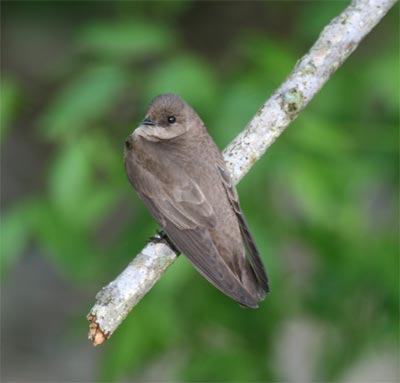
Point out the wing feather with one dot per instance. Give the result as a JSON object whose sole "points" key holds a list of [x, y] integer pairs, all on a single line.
{"points": [[182, 201], [198, 246], [254, 256]]}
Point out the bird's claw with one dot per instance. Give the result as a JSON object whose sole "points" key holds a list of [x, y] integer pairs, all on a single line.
{"points": [[162, 237]]}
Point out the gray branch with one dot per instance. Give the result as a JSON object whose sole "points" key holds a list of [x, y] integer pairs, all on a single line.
{"points": [[336, 42]]}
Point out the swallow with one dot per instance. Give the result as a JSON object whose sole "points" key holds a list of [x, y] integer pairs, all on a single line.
{"points": [[180, 175]]}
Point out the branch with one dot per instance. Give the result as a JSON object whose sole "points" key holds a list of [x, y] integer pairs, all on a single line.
{"points": [[336, 42]]}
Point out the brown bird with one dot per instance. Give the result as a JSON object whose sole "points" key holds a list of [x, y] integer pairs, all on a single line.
{"points": [[180, 175]]}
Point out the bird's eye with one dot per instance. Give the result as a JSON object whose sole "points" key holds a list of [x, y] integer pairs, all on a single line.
{"points": [[171, 119]]}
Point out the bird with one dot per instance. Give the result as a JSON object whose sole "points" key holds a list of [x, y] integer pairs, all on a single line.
{"points": [[180, 175]]}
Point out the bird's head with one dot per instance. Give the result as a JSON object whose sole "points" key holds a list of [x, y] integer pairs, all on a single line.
{"points": [[167, 117]]}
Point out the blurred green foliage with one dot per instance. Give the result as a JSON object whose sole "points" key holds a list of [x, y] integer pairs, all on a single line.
{"points": [[322, 203]]}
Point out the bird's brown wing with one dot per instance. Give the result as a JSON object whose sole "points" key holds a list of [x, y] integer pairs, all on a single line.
{"points": [[198, 246], [186, 216], [180, 202], [254, 256]]}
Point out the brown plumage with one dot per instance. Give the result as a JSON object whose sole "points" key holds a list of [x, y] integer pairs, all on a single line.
{"points": [[180, 175]]}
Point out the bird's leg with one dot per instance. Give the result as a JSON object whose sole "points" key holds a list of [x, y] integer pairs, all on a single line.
{"points": [[160, 237]]}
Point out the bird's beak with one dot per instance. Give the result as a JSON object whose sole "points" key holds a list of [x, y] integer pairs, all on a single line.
{"points": [[147, 129], [147, 121]]}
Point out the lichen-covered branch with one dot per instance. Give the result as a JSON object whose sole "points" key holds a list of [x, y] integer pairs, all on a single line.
{"points": [[336, 42]]}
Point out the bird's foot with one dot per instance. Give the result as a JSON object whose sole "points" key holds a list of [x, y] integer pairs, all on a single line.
{"points": [[162, 237]]}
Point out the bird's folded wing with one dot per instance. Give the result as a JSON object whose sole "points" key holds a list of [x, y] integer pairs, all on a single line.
{"points": [[198, 246], [186, 216], [254, 256], [183, 205]]}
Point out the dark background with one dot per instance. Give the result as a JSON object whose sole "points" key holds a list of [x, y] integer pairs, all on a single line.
{"points": [[322, 203]]}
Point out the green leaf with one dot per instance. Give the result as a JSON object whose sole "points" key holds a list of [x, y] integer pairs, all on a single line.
{"points": [[84, 100], [129, 39], [378, 75], [70, 179], [315, 16], [313, 193], [187, 76], [235, 110], [15, 230], [317, 134], [271, 60], [9, 104], [66, 244], [75, 188]]}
